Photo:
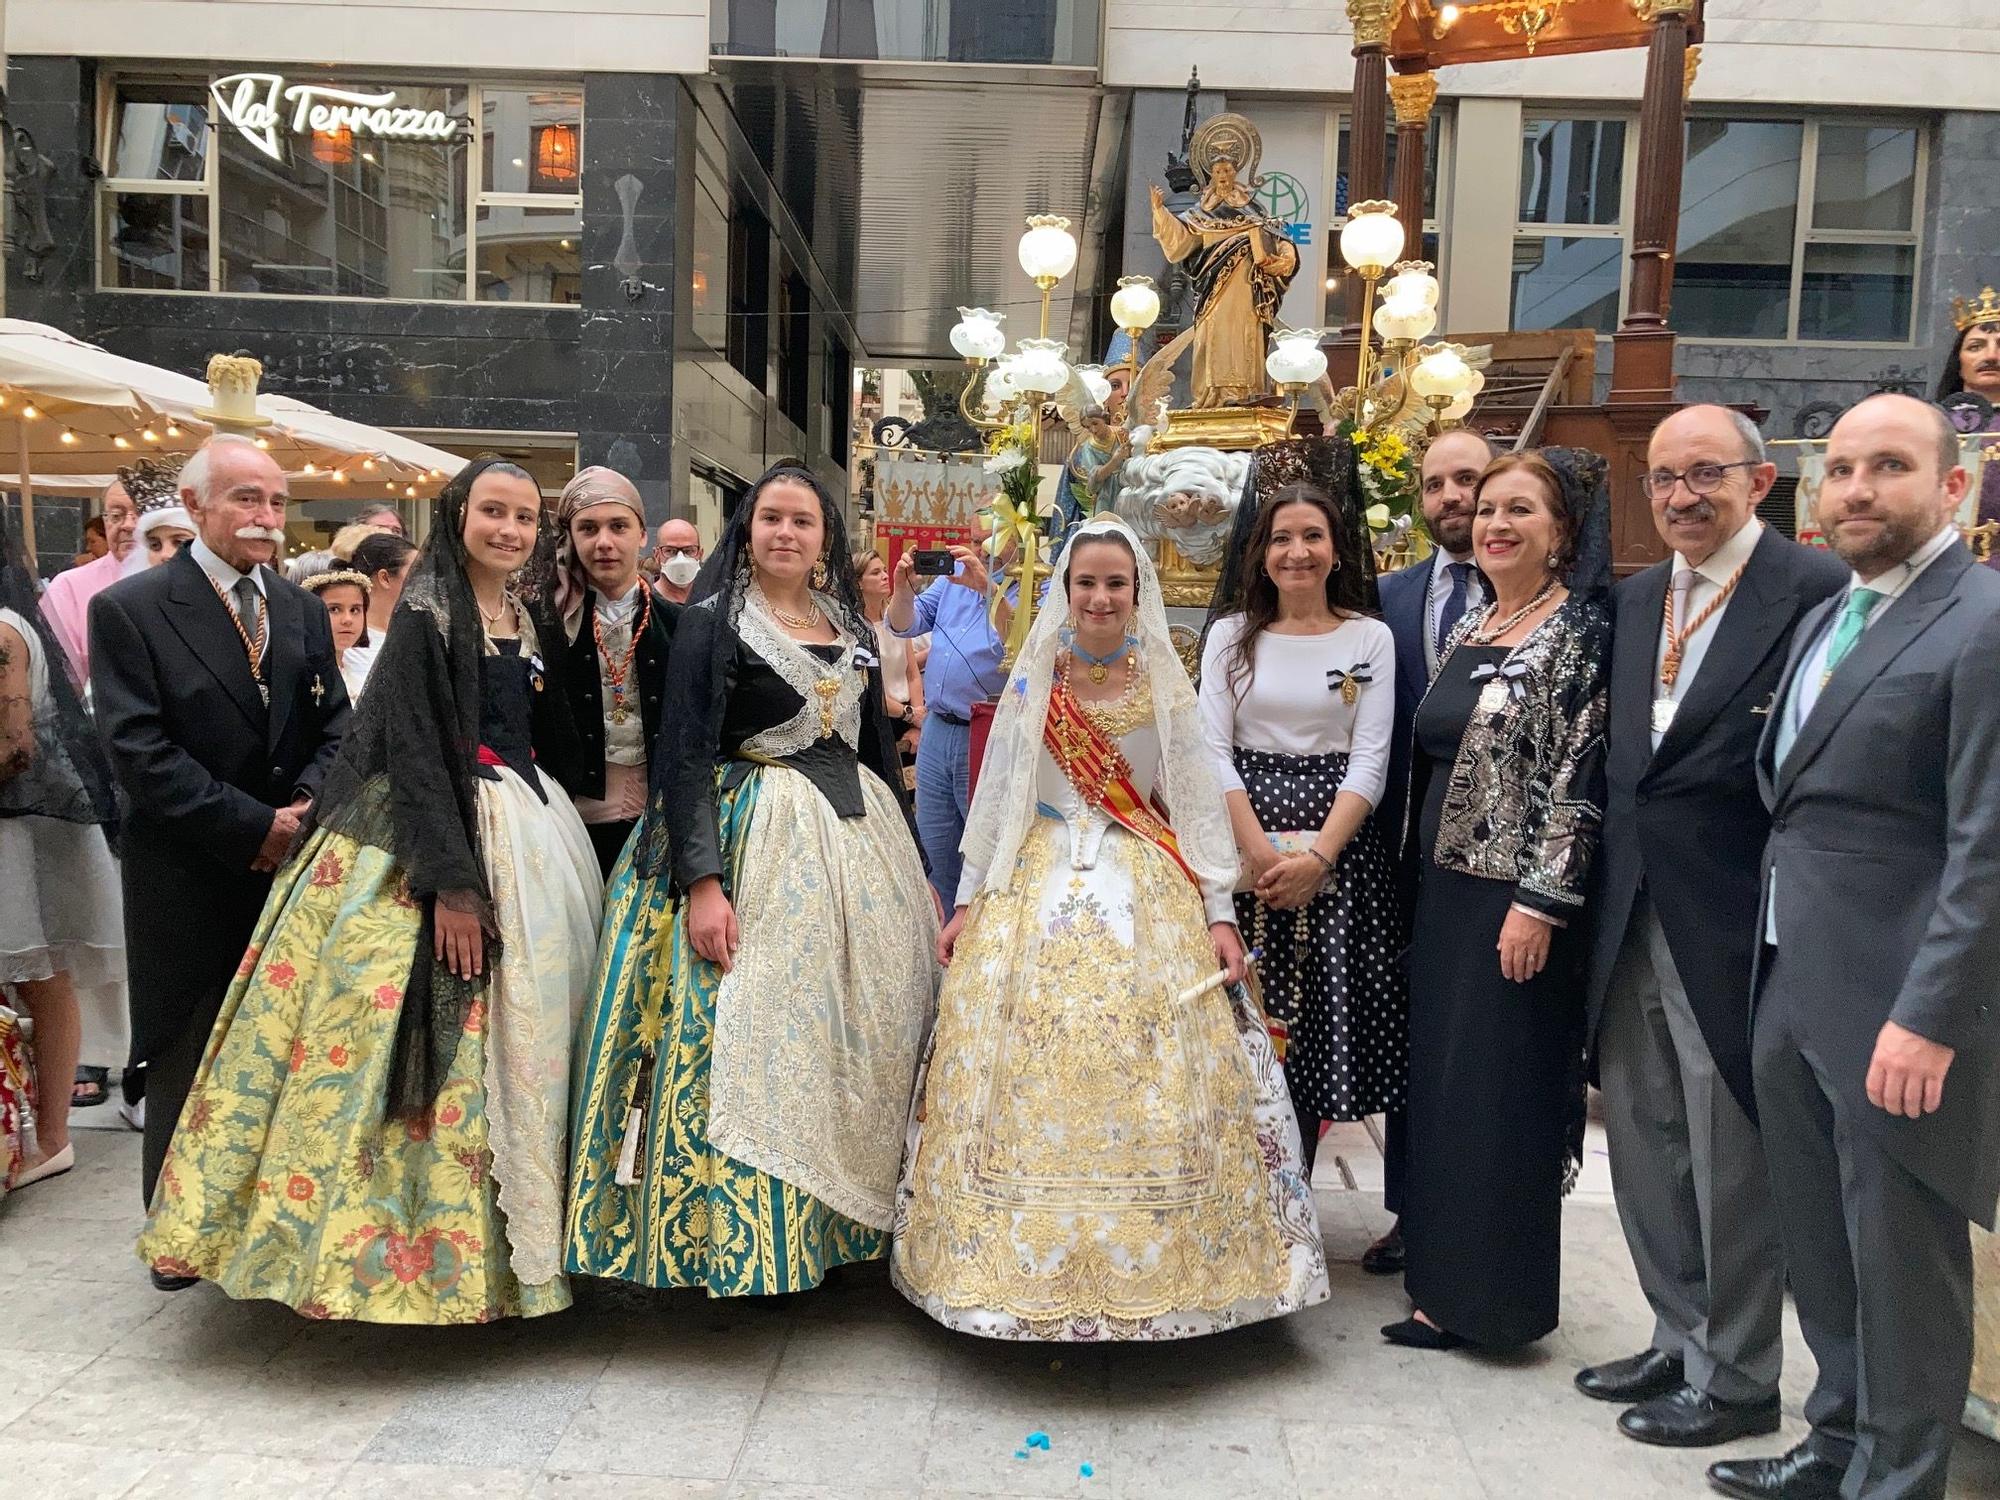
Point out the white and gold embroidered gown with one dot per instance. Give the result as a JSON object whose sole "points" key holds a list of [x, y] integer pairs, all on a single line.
{"points": [[1093, 1157]]}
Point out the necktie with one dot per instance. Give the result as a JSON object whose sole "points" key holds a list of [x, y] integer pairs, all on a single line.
{"points": [[1454, 602], [246, 610], [1860, 604]]}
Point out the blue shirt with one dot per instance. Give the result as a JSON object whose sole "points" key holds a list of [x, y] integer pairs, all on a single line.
{"points": [[964, 665]]}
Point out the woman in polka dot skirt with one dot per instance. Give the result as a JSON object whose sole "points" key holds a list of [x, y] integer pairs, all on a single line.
{"points": [[1298, 699]]}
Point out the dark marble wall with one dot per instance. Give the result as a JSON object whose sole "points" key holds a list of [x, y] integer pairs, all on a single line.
{"points": [[603, 371]]}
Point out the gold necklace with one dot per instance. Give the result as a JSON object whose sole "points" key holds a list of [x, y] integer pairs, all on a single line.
{"points": [[812, 619], [494, 618], [1487, 635]]}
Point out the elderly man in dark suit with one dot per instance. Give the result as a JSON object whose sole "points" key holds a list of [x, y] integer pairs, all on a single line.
{"points": [[1876, 1044], [219, 699], [1420, 605], [1701, 639]]}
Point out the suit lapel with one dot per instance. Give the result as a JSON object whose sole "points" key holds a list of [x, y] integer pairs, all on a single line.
{"points": [[1634, 657], [1744, 637], [1403, 609], [205, 625], [1902, 621], [284, 652]]}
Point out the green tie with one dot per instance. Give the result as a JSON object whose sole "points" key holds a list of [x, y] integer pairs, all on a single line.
{"points": [[1860, 605]]}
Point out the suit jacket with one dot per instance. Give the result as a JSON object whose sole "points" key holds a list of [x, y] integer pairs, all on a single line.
{"points": [[1688, 819], [584, 684], [1883, 864], [203, 764], [1403, 594]]}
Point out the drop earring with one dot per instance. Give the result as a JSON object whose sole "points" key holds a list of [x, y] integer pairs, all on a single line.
{"points": [[819, 575]]}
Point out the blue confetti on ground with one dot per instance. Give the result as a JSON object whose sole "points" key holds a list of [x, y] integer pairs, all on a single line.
{"points": [[1039, 1440], [1084, 1471], [1020, 1453]]}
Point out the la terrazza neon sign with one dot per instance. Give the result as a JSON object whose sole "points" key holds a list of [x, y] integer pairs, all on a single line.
{"points": [[256, 103]]}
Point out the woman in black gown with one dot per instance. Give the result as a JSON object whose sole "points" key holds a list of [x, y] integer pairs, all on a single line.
{"points": [[1508, 780]]}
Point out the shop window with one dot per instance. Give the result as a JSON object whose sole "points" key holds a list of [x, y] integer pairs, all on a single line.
{"points": [[448, 194], [1569, 232]]}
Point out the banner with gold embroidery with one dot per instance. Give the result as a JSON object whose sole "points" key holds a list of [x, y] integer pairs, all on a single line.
{"points": [[1094, 766]]}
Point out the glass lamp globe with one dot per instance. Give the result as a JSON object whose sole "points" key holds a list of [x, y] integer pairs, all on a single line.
{"points": [[1441, 371], [977, 334], [1096, 382], [1000, 385], [1135, 306], [1372, 237], [1404, 319], [1413, 279], [1296, 357], [1457, 408], [1043, 367], [1477, 384], [1048, 249]]}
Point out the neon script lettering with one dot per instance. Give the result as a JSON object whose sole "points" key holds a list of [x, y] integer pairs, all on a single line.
{"points": [[255, 104]]}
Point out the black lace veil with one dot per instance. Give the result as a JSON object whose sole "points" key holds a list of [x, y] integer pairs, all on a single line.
{"points": [[1584, 477], [67, 776]]}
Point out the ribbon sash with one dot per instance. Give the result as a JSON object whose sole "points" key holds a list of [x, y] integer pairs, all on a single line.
{"points": [[1096, 769]]}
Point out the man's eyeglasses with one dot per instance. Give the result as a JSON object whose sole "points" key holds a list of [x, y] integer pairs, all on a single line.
{"points": [[667, 554], [1700, 479]]}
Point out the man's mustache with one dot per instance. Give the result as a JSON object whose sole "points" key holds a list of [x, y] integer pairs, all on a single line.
{"points": [[259, 534], [1701, 510]]}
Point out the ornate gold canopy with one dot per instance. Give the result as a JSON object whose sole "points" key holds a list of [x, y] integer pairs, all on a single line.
{"points": [[1430, 34]]}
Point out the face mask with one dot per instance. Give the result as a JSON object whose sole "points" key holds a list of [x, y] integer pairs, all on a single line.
{"points": [[680, 569]]}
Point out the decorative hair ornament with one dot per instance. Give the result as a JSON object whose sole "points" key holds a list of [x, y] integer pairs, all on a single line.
{"points": [[319, 583], [1968, 312], [153, 483]]}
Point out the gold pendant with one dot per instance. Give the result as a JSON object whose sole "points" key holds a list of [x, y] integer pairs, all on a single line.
{"points": [[1098, 671], [619, 712], [828, 690], [1493, 697], [1349, 691]]}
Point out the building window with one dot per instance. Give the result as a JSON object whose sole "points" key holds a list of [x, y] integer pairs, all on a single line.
{"points": [[204, 197], [1340, 286], [1790, 229]]}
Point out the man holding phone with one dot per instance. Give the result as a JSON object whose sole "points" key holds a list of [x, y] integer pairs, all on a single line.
{"points": [[964, 669]]}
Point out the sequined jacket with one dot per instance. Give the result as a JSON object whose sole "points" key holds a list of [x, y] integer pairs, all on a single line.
{"points": [[1526, 796]]}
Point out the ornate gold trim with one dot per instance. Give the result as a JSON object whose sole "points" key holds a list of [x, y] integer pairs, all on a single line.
{"points": [[1372, 21], [1414, 95], [1692, 66], [1230, 428], [1652, 10]]}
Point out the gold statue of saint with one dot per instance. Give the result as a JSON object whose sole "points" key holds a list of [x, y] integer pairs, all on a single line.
{"points": [[1237, 258]]}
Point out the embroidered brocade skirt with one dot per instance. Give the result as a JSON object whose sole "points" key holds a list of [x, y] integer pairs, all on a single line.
{"points": [[773, 1125], [1332, 969], [1982, 1402], [14, 1100], [285, 1181], [1093, 1157]]}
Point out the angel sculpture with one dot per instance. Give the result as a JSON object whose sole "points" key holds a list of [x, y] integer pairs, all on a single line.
{"points": [[1090, 474], [1238, 258]]}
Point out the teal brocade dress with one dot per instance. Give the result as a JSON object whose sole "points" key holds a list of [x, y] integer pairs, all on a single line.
{"points": [[694, 1214]]}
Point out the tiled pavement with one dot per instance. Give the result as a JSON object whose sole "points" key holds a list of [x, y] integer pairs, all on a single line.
{"points": [[109, 1389]]}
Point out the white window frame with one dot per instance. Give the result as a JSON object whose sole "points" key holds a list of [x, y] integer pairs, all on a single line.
{"points": [[209, 186], [1804, 232]]}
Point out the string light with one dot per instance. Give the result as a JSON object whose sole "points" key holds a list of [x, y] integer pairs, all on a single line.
{"points": [[411, 491], [368, 463], [173, 430], [150, 436], [121, 441], [30, 411], [264, 443], [339, 476], [68, 436], [310, 468], [3, 400]]}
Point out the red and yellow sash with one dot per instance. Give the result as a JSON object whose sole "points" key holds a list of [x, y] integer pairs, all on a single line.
{"points": [[1098, 772]]}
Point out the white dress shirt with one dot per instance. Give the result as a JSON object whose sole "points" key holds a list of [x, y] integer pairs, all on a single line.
{"points": [[225, 578], [1693, 586]]}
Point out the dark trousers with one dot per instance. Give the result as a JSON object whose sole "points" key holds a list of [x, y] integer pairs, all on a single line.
{"points": [[608, 839], [1881, 1269], [1395, 1159], [170, 1075]]}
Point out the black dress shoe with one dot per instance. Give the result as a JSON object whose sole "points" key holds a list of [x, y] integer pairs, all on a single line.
{"points": [[1639, 1378], [1415, 1333], [1800, 1475], [1688, 1418], [162, 1282], [1385, 1256]]}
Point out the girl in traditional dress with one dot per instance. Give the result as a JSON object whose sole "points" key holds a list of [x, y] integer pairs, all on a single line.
{"points": [[378, 1129], [344, 592], [769, 963], [1103, 1147], [1298, 700]]}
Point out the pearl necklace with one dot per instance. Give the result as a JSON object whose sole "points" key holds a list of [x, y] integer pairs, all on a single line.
{"points": [[1486, 635], [812, 618]]}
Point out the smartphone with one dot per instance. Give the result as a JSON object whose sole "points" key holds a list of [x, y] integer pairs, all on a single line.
{"points": [[935, 562]]}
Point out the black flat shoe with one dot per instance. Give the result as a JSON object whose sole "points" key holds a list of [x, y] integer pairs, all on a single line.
{"points": [[1688, 1418], [162, 1282], [1640, 1377], [1415, 1333], [1385, 1256], [1800, 1475]]}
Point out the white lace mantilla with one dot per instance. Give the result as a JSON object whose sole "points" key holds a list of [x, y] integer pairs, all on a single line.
{"points": [[803, 673]]}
